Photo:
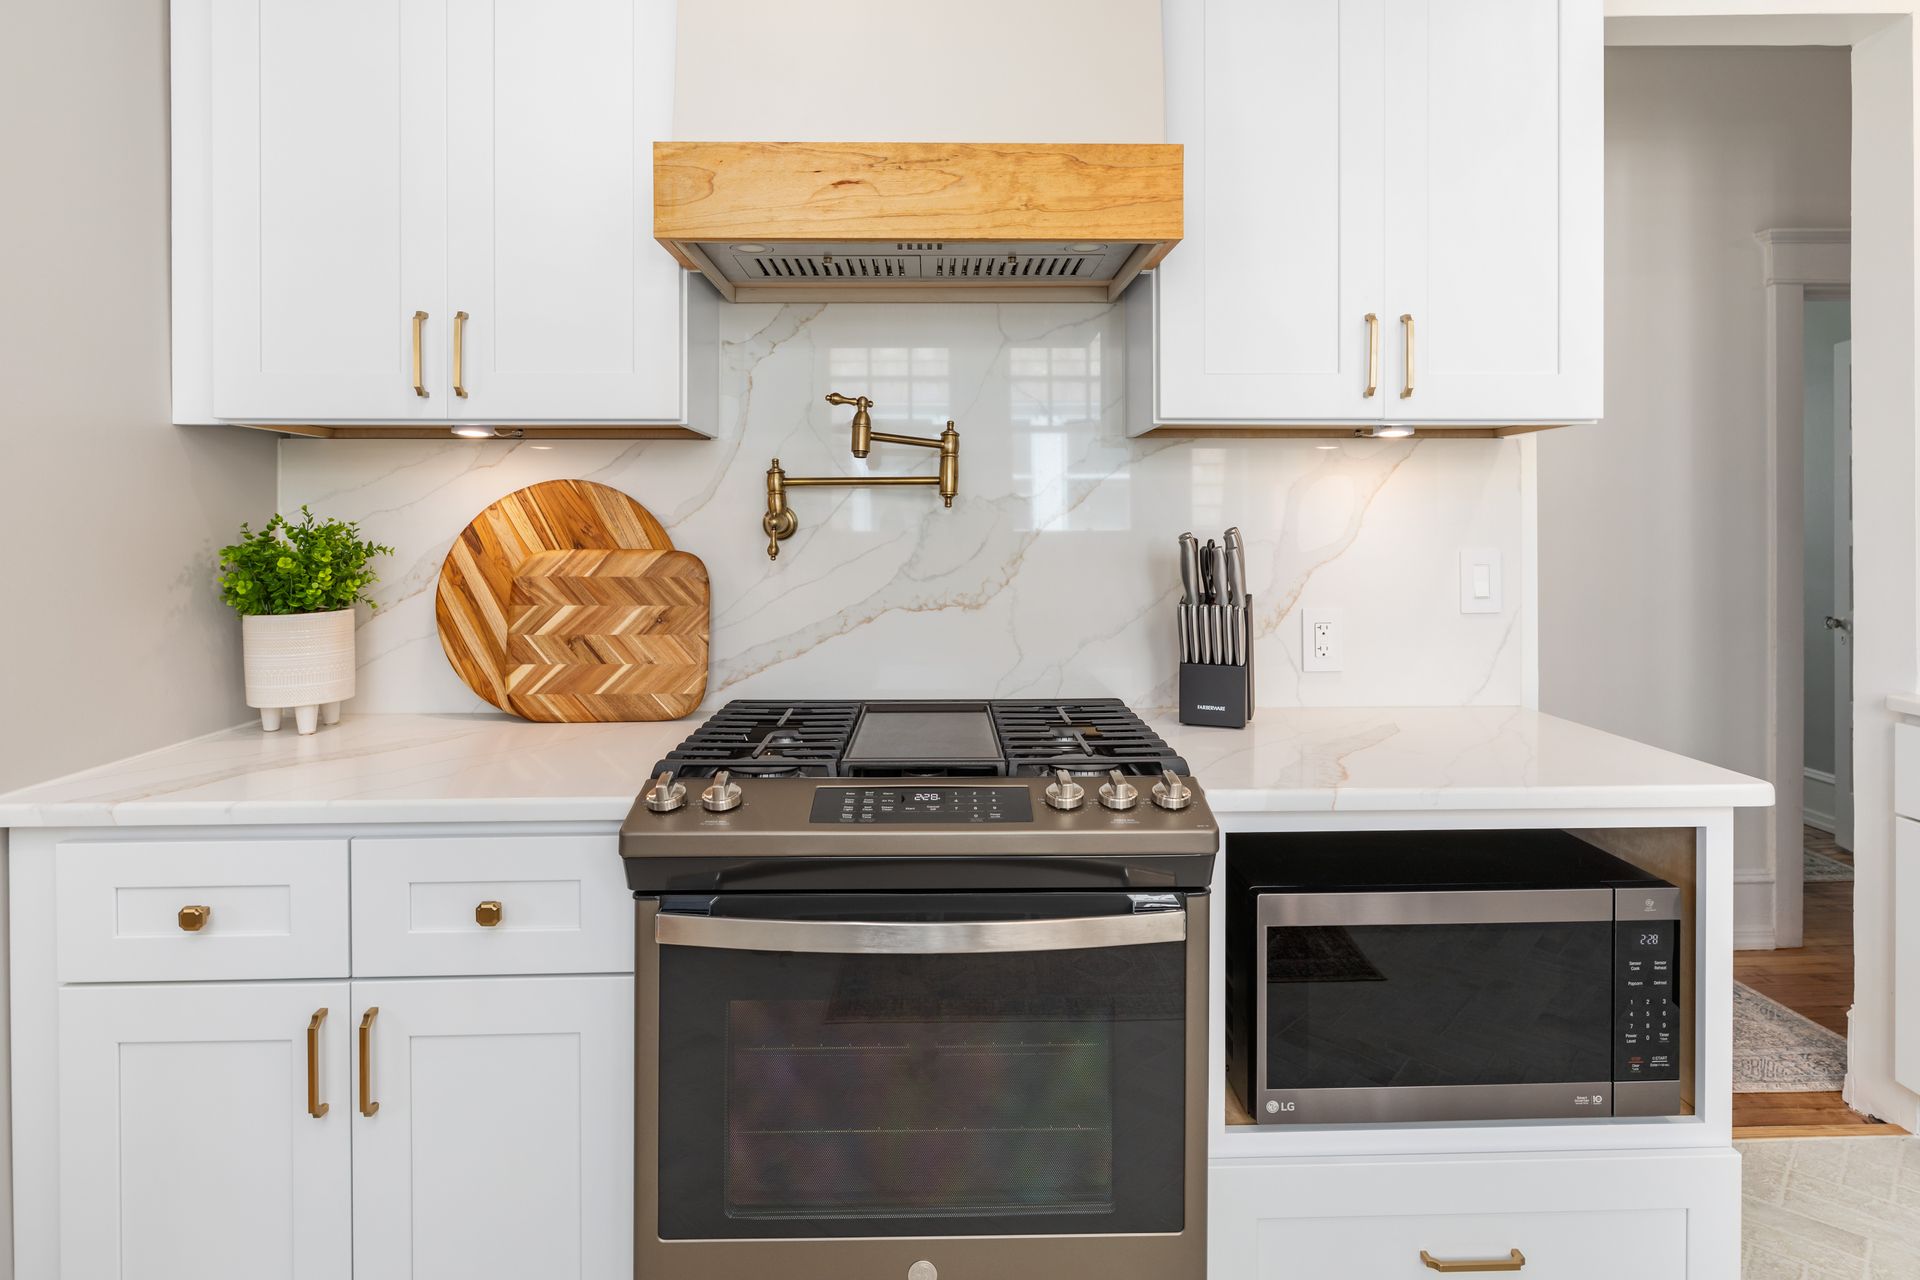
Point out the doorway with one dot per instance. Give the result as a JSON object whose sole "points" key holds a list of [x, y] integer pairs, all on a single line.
{"points": [[1827, 502]]}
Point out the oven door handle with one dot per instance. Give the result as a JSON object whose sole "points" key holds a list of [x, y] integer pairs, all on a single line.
{"points": [[934, 937]]}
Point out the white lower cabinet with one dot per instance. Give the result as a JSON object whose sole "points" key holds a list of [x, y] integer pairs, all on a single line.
{"points": [[502, 1145], [1585, 1216], [491, 1137], [187, 1147]]}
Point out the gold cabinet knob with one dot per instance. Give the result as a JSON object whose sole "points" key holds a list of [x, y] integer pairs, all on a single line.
{"points": [[194, 919], [487, 914]]}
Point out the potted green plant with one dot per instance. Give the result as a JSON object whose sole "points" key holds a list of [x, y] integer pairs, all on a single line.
{"points": [[294, 586]]}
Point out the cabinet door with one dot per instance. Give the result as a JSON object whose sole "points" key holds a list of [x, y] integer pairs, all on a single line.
{"points": [[187, 1150], [574, 313], [1261, 310], [503, 1143], [327, 200], [1493, 199]]}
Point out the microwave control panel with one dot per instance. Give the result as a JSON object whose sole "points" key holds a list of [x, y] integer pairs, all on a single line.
{"points": [[1646, 1007]]}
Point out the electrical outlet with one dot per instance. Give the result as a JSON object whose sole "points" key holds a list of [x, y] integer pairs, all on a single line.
{"points": [[1322, 640]]}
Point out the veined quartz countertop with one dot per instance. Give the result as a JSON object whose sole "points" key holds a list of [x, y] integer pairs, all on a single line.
{"points": [[472, 768]]}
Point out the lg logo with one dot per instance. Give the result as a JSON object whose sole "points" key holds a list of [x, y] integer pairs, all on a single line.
{"points": [[1275, 1108]]}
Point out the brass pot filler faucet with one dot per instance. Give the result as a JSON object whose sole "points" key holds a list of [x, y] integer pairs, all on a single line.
{"points": [[780, 522]]}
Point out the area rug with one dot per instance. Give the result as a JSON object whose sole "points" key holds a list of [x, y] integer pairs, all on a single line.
{"points": [[1818, 866], [1775, 1050], [1829, 1208]]}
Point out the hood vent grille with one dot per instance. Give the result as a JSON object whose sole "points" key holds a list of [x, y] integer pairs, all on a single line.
{"points": [[827, 266], [1020, 266]]}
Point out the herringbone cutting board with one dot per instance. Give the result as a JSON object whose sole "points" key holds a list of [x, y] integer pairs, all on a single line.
{"points": [[565, 601]]}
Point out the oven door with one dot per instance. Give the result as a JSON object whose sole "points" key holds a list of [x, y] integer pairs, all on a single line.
{"points": [[850, 1085], [1434, 1005]]}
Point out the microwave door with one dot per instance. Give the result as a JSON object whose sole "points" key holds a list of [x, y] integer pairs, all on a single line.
{"points": [[1434, 1006]]}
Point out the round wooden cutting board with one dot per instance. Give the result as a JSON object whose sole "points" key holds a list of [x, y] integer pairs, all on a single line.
{"points": [[566, 601]]}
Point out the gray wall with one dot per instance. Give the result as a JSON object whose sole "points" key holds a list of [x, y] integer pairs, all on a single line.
{"points": [[1653, 524], [112, 640], [1826, 325]]}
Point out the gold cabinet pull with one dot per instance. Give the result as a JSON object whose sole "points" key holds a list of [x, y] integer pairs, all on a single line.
{"points": [[419, 327], [487, 914], [315, 1107], [367, 1105], [459, 353], [1406, 327], [1514, 1261], [194, 919], [1373, 354]]}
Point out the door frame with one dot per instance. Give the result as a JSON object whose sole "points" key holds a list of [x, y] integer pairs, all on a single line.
{"points": [[1796, 263]]}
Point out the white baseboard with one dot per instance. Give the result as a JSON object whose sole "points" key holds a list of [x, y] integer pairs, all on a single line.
{"points": [[1753, 911], [1816, 802]]}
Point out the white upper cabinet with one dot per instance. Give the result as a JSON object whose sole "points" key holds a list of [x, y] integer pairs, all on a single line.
{"points": [[325, 227], [1264, 303], [1393, 215], [1494, 219], [414, 212], [552, 111]]}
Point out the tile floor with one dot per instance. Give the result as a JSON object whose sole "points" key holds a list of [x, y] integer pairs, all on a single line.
{"points": [[1830, 1209]]}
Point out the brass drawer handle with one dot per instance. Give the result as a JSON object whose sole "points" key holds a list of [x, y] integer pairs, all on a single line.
{"points": [[419, 382], [1406, 325], [1514, 1261], [1373, 355], [487, 914], [194, 919], [459, 354], [315, 1107], [367, 1105]]}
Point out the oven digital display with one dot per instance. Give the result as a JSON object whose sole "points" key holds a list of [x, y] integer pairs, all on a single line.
{"points": [[873, 806]]}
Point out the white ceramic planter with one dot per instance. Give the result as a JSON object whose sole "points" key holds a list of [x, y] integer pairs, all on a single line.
{"points": [[298, 660]]}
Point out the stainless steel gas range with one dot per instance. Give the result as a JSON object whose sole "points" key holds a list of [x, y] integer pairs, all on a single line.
{"points": [[921, 991]]}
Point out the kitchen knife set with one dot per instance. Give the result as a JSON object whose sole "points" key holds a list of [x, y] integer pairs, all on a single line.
{"points": [[1213, 597], [1216, 632]]}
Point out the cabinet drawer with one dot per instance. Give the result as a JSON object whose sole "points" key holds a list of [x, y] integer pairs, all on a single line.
{"points": [[1599, 1215], [1648, 1244], [420, 906], [271, 909]]}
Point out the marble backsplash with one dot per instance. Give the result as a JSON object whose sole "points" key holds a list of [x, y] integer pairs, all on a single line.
{"points": [[1054, 573]]}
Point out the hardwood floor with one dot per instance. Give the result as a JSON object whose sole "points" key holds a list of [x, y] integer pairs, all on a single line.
{"points": [[1815, 980]]}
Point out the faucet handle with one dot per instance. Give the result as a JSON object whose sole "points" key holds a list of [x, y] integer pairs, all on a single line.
{"points": [[862, 421]]}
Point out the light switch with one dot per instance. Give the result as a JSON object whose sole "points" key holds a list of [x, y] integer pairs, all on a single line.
{"points": [[1480, 580]]}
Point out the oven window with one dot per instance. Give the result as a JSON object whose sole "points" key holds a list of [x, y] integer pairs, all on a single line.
{"points": [[1363, 1006], [878, 1095]]}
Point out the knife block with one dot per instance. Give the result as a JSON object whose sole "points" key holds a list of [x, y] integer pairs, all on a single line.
{"points": [[1218, 694]]}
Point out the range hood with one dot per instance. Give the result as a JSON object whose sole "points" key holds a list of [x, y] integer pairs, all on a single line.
{"points": [[771, 191]]}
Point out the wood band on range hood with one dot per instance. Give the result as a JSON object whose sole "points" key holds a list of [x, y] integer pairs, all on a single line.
{"points": [[893, 198]]}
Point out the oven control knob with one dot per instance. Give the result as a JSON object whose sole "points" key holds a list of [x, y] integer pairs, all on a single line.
{"points": [[1117, 793], [723, 795], [1170, 792], [665, 795], [923, 1270], [1064, 793]]}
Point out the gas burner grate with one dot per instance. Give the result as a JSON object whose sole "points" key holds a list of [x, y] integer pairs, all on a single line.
{"points": [[1091, 736], [768, 739], [763, 739]]}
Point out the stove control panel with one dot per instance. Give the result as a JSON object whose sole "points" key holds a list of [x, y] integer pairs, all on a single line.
{"points": [[900, 805]]}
